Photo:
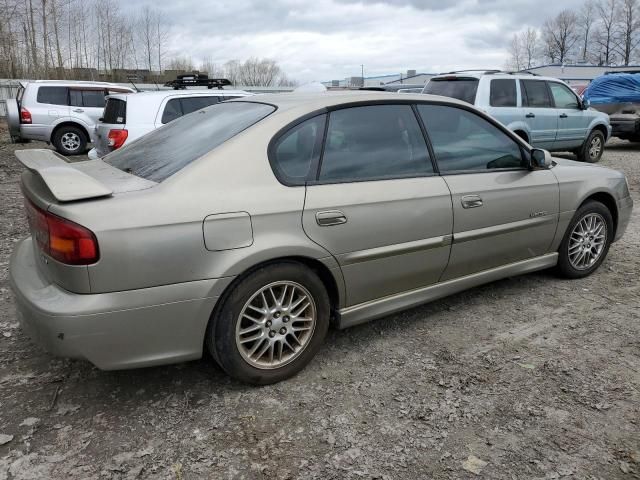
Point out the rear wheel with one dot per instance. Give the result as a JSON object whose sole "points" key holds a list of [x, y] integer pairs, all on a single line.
{"points": [[592, 148], [586, 241], [69, 140], [271, 324]]}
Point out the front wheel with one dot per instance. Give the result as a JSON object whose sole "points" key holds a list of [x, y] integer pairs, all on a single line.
{"points": [[593, 148], [271, 324], [586, 241]]}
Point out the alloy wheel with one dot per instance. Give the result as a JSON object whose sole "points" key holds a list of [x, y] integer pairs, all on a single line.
{"points": [[595, 147], [587, 241], [70, 141], [276, 325]]}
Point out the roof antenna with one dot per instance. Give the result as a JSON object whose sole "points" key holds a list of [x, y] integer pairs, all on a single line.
{"points": [[131, 78]]}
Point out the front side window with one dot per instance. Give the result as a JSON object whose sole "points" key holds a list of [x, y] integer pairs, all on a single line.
{"points": [[168, 149], [372, 143], [462, 88], [53, 95], [463, 141], [535, 94], [503, 93], [297, 150], [563, 96]]}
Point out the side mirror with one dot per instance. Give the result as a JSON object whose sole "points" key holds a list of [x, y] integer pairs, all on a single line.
{"points": [[540, 158], [586, 104]]}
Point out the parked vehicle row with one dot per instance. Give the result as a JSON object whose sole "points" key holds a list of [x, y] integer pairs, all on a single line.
{"points": [[545, 112], [58, 112], [246, 227]]}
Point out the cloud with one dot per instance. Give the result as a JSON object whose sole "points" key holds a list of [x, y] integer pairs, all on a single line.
{"points": [[330, 39]]}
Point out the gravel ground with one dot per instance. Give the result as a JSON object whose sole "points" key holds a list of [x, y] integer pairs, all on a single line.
{"points": [[529, 377]]}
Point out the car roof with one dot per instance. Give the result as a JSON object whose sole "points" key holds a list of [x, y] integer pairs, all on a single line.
{"points": [[76, 83], [311, 101], [482, 73], [160, 94]]}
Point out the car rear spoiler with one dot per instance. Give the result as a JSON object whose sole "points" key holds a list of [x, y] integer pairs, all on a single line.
{"points": [[65, 182]]}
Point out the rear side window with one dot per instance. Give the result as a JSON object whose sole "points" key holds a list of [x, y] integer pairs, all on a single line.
{"points": [[191, 104], [168, 149], [296, 151], [86, 98], [463, 141], [53, 95], [177, 107], [535, 94], [373, 143], [503, 93], [115, 111], [172, 110], [464, 89]]}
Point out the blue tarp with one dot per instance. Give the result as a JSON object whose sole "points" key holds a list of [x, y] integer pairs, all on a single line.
{"points": [[614, 88]]}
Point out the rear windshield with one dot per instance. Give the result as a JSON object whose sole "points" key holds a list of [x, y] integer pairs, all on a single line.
{"points": [[115, 111], [161, 153], [461, 88]]}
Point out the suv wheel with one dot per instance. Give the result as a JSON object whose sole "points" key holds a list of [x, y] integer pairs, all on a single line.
{"points": [[271, 324], [592, 148], [69, 140], [586, 241]]}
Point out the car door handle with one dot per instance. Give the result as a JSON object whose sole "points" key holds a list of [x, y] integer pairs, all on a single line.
{"points": [[471, 201], [330, 217], [530, 115], [564, 115], [78, 110]]}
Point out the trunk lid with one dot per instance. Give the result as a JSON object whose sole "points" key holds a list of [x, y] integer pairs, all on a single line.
{"points": [[50, 181]]}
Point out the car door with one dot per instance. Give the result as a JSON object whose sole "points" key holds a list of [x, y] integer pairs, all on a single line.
{"points": [[573, 122], [375, 203], [87, 105], [503, 212], [539, 113]]}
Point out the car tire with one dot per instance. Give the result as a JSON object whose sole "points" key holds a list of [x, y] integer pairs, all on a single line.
{"points": [[593, 147], [69, 140], [585, 245], [243, 326]]}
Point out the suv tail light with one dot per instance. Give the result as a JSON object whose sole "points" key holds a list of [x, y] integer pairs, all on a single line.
{"points": [[62, 239], [117, 138], [25, 115]]}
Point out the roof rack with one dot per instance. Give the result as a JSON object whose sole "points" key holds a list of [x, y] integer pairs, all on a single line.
{"points": [[197, 80], [481, 70]]}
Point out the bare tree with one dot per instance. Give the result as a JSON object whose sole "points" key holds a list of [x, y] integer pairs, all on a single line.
{"points": [[516, 54], [586, 19], [560, 35], [529, 45], [605, 37], [146, 34], [629, 26]]}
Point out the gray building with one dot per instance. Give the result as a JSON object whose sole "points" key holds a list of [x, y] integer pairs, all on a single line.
{"points": [[579, 74]]}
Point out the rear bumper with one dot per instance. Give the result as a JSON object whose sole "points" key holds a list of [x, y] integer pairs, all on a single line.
{"points": [[625, 207], [117, 330]]}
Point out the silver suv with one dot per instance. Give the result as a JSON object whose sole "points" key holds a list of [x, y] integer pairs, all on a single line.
{"points": [[543, 111], [63, 113]]}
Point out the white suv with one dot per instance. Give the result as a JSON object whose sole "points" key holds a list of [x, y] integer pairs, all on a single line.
{"points": [[63, 113], [128, 117]]}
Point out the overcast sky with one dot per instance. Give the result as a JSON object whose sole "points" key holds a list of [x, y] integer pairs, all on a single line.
{"points": [[329, 39]]}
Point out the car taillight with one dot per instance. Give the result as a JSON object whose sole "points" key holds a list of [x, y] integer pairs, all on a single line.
{"points": [[62, 239], [117, 138], [25, 115]]}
